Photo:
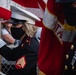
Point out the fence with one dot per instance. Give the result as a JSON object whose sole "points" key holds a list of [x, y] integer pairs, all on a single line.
{"points": [[5, 64]]}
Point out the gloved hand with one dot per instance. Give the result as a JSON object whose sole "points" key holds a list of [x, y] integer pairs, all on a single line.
{"points": [[17, 42], [2, 43]]}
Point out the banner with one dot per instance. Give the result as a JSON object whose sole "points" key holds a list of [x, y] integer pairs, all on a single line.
{"points": [[50, 59], [5, 12]]}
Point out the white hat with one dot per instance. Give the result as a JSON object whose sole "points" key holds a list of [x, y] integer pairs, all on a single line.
{"points": [[22, 14]]}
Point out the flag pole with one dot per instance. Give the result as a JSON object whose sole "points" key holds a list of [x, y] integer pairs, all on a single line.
{"points": [[0, 37]]}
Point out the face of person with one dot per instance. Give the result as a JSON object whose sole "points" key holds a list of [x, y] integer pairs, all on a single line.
{"points": [[70, 13], [17, 31], [8, 25]]}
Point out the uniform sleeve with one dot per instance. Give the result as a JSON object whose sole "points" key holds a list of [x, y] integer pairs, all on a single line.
{"points": [[8, 53], [4, 31]]}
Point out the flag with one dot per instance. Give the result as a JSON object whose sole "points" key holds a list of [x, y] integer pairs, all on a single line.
{"points": [[50, 53], [41, 4], [5, 12], [32, 6]]}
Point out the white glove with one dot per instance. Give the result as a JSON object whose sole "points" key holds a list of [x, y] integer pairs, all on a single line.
{"points": [[17, 42], [2, 43]]}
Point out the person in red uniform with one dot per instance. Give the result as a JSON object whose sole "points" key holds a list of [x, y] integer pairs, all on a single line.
{"points": [[70, 16]]}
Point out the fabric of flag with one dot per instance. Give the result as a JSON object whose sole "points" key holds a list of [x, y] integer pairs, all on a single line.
{"points": [[51, 54], [32, 6], [42, 5], [5, 12]]}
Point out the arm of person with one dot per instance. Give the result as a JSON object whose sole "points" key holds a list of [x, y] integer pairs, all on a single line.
{"points": [[7, 53], [6, 36]]}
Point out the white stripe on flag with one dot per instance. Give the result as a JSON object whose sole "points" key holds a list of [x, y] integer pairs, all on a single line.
{"points": [[5, 4]]}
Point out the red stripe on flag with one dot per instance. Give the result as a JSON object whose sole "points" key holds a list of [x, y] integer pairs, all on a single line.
{"points": [[39, 23], [42, 4], [27, 3], [56, 9], [4, 13]]}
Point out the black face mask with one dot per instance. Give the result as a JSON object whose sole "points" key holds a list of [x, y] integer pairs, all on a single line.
{"points": [[70, 15], [17, 33]]}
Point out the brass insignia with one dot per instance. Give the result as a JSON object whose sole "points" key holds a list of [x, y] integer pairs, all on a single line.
{"points": [[21, 63], [22, 45], [41, 73], [72, 67], [72, 47], [27, 41], [67, 56], [66, 67]]}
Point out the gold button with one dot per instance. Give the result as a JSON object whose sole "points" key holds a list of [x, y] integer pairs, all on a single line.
{"points": [[67, 56], [72, 47], [26, 40], [72, 67], [22, 45], [66, 67]]}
